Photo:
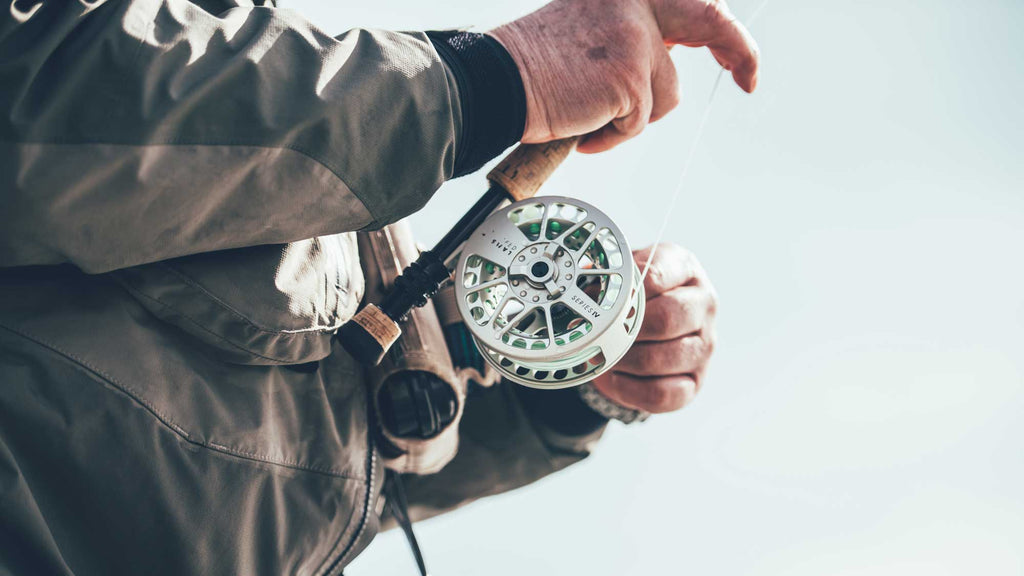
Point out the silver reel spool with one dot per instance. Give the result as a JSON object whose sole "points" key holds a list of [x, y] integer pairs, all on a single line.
{"points": [[550, 292]]}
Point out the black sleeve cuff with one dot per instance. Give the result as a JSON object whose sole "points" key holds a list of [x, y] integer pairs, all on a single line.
{"points": [[560, 410], [491, 92]]}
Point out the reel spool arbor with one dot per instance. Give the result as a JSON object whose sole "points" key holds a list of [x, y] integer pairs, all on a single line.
{"points": [[550, 292]]}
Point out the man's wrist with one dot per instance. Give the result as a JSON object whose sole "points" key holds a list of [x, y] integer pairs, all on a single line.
{"points": [[491, 93], [608, 408]]}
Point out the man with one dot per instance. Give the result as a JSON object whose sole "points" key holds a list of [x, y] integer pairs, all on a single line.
{"points": [[179, 183]]}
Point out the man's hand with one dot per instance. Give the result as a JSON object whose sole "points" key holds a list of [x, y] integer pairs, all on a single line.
{"points": [[601, 67], [665, 367]]}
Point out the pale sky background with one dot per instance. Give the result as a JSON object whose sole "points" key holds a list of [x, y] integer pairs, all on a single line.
{"points": [[862, 217]]}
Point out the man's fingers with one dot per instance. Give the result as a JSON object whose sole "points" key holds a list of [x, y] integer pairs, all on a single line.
{"points": [[676, 313], [710, 23], [617, 131], [664, 85], [743, 62], [652, 394], [605, 138], [673, 266], [687, 354]]}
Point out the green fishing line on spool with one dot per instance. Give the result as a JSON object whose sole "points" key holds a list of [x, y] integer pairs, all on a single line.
{"points": [[554, 229]]}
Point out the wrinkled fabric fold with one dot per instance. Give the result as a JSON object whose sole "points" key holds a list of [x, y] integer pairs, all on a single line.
{"points": [[140, 130]]}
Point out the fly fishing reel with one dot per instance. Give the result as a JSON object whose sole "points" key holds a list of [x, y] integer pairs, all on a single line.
{"points": [[547, 287], [549, 290]]}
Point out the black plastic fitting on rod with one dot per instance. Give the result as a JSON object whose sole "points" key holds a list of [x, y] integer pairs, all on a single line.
{"points": [[418, 282]]}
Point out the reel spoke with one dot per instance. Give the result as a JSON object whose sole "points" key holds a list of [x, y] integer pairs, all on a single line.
{"points": [[518, 269], [551, 325], [544, 222], [490, 284], [551, 250], [575, 233], [499, 308]]}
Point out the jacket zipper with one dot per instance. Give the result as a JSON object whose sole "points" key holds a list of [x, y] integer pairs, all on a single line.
{"points": [[338, 566]]}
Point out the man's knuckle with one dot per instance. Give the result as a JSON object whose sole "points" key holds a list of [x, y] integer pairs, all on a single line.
{"points": [[671, 97], [634, 123], [699, 350], [686, 310], [658, 320], [692, 350], [711, 13], [637, 87], [698, 382], [656, 394], [717, 13], [668, 395], [656, 276], [678, 398], [647, 356]]}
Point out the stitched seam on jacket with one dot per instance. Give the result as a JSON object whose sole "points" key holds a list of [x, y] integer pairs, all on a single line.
{"points": [[375, 221], [195, 284], [216, 336], [328, 566], [166, 421]]}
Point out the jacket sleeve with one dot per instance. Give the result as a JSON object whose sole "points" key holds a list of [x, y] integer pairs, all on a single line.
{"points": [[139, 130], [508, 438]]}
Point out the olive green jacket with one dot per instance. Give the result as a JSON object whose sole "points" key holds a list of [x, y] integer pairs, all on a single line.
{"points": [[179, 186]]}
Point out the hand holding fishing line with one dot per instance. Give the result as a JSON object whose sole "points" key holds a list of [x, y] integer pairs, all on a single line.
{"points": [[235, 221], [665, 367], [603, 73], [601, 68], [626, 81]]}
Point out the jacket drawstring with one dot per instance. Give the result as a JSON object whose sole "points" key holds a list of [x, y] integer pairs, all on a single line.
{"points": [[399, 507]]}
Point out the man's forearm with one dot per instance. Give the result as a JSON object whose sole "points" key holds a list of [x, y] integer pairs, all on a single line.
{"points": [[148, 129]]}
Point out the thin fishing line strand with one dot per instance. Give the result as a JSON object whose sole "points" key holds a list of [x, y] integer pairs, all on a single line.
{"points": [[682, 176], [689, 157], [757, 12]]}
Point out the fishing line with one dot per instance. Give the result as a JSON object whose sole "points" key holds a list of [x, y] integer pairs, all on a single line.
{"points": [[755, 14], [682, 177], [532, 272], [690, 155]]}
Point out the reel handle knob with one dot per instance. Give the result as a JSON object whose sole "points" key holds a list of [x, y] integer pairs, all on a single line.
{"points": [[526, 168]]}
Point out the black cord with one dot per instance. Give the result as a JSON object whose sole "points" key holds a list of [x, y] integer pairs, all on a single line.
{"points": [[399, 507]]}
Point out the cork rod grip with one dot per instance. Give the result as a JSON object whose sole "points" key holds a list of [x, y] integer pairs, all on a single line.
{"points": [[523, 171]]}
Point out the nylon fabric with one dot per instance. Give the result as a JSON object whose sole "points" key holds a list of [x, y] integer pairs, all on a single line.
{"points": [[152, 420], [141, 130], [277, 304], [171, 463]]}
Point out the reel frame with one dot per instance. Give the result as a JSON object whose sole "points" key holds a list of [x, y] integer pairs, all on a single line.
{"points": [[549, 290]]}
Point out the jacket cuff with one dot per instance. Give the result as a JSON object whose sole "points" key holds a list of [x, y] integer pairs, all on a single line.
{"points": [[491, 93], [562, 411]]}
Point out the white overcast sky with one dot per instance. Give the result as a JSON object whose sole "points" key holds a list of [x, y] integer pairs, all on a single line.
{"points": [[862, 217]]}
